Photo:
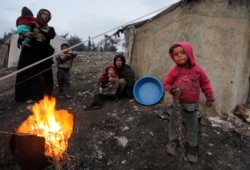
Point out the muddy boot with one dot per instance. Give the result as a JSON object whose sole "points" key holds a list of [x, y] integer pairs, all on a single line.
{"points": [[97, 100], [171, 148], [192, 154]]}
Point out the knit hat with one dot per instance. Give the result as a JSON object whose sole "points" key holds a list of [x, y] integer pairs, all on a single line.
{"points": [[110, 66], [26, 11]]}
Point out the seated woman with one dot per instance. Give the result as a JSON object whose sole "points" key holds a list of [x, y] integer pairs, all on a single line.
{"points": [[124, 85]]}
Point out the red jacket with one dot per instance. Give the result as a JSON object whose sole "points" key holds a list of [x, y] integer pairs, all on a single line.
{"points": [[26, 20], [103, 76], [190, 80]]}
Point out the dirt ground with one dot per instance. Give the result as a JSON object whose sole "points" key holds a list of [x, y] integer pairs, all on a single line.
{"points": [[122, 135]]}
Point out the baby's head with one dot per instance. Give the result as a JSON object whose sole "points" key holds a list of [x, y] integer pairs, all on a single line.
{"points": [[26, 11], [110, 69]]}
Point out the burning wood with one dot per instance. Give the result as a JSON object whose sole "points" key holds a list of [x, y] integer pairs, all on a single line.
{"points": [[55, 126]]}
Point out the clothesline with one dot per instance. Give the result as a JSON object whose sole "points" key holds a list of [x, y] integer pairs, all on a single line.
{"points": [[82, 42]]}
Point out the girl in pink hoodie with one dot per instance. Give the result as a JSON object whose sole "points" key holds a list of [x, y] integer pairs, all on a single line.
{"points": [[185, 81]]}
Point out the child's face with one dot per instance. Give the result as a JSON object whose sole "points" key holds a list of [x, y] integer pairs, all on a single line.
{"points": [[65, 47], [111, 70], [180, 57]]}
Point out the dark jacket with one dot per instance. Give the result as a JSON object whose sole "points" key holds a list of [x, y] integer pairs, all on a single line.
{"points": [[127, 73]]}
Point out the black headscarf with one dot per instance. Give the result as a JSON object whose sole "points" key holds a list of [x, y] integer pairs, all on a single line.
{"points": [[39, 14], [122, 57]]}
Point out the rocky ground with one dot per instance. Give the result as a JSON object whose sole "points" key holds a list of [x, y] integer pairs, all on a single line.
{"points": [[121, 135]]}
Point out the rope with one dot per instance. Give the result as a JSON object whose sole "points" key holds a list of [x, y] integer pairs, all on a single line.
{"points": [[27, 67]]}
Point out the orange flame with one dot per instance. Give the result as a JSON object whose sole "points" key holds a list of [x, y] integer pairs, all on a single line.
{"points": [[55, 126]]}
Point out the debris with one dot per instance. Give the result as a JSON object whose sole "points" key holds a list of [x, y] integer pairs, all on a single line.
{"points": [[125, 128], [219, 123], [243, 112], [122, 141]]}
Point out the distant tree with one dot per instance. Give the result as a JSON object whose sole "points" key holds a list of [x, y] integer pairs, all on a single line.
{"points": [[5, 37], [89, 45], [113, 44], [100, 48], [94, 47], [73, 40], [65, 35], [109, 44]]}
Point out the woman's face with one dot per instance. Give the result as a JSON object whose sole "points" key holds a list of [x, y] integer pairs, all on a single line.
{"points": [[118, 62], [45, 16]]}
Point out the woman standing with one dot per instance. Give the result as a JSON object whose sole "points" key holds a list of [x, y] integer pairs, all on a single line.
{"points": [[33, 83]]}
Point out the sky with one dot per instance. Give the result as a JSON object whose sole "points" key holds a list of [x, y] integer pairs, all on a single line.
{"points": [[83, 18]]}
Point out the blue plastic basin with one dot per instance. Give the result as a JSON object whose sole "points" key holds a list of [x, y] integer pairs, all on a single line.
{"points": [[148, 90]]}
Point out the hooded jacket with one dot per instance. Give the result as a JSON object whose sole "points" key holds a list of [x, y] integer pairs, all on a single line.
{"points": [[125, 72], [191, 80]]}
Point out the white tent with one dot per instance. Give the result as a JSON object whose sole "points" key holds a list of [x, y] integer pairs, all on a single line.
{"points": [[12, 55]]}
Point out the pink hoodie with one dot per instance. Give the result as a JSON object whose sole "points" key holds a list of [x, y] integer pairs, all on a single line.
{"points": [[190, 80]]}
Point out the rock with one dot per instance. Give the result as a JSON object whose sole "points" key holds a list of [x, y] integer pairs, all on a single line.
{"points": [[243, 112], [219, 123], [238, 123], [122, 141]]}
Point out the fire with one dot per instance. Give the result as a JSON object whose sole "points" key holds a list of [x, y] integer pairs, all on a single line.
{"points": [[55, 126]]}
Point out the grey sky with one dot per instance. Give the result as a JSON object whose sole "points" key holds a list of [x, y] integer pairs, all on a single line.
{"points": [[80, 17]]}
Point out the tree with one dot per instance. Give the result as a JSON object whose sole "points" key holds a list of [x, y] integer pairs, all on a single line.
{"points": [[5, 37], [73, 40], [94, 47], [89, 45], [65, 35], [109, 44]]}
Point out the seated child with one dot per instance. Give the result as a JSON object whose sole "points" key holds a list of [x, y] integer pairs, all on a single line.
{"points": [[25, 23], [107, 79]]}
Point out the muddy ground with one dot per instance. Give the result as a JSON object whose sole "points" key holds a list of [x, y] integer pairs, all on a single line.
{"points": [[122, 135]]}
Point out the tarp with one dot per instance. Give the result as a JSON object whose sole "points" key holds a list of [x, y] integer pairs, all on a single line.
{"points": [[220, 35]]}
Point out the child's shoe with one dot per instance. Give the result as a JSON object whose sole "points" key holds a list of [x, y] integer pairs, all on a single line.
{"points": [[171, 148], [192, 154]]}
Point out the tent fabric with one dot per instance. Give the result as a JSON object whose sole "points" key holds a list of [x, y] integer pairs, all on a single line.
{"points": [[12, 56], [220, 35], [129, 39]]}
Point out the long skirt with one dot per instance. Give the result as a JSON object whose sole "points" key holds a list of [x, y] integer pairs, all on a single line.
{"points": [[37, 81]]}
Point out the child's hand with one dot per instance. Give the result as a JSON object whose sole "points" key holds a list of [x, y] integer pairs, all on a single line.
{"points": [[29, 35], [209, 103], [35, 23], [66, 56], [111, 79], [175, 90]]}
